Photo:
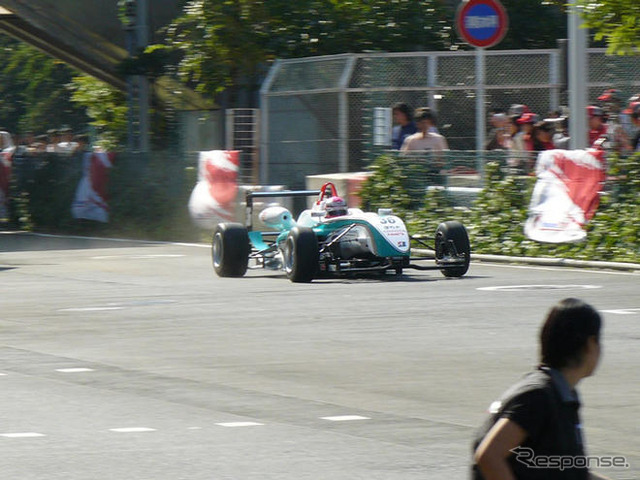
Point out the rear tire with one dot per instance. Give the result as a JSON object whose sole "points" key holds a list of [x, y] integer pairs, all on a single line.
{"points": [[446, 234], [301, 255], [230, 250]]}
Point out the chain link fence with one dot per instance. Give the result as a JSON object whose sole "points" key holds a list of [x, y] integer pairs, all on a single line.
{"points": [[319, 114]]}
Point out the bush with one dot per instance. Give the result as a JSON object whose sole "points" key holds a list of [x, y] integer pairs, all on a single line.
{"points": [[496, 219]]}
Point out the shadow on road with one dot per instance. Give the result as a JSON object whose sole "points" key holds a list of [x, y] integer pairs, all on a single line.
{"points": [[30, 242]]}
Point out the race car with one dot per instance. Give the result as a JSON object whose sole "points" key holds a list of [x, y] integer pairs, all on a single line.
{"points": [[331, 239]]}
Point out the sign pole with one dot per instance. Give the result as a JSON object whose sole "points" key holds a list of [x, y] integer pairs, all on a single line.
{"points": [[481, 115]]}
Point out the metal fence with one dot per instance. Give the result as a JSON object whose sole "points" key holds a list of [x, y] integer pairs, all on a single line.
{"points": [[318, 114]]}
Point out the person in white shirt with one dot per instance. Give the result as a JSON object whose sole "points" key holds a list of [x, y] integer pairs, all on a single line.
{"points": [[426, 139]]}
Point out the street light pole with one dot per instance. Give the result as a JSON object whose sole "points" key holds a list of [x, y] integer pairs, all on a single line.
{"points": [[578, 78]]}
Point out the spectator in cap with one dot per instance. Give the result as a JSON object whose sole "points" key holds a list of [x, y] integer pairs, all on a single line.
{"points": [[499, 135], [597, 124], [66, 145], [625, 117], [518, 110], [634, 114], [405, 126]]}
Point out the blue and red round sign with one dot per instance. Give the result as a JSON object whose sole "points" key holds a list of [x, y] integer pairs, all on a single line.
{"points": [[482, 23]]}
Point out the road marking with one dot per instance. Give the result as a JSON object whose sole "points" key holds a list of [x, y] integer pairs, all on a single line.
{"points": [[3, 374], [520, 288], [136, 257], [623, 311], [22, 435], [597, 271], [74, 370], [132, 430], [239, 424], [194, 428], [90, 309], [345, 418]]}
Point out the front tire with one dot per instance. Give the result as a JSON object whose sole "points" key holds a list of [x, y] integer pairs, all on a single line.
{"points": [[230, 250], [451, 243], [301, 255]]}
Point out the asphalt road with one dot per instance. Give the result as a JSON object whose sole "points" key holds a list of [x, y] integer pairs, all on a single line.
{"points": [[132, 361]]}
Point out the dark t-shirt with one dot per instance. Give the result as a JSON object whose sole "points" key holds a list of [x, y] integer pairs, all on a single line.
{"points": [[400, 133], [543, 404]]}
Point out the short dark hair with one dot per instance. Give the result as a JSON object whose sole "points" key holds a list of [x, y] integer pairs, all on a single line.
{"points": [[404, 108], [565, 332], [425, 113]]}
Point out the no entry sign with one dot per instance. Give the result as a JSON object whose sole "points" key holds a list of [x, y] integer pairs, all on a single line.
{"points": [[482, 23]]}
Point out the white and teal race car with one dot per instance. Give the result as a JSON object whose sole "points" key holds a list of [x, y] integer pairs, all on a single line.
{"points": [[331, 239]]}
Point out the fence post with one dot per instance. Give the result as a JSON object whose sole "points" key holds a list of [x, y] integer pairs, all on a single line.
{"points": [[343, 115], [264, 123]]}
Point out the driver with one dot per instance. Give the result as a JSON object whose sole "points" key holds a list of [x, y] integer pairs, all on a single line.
{"points": [[335, 207]]}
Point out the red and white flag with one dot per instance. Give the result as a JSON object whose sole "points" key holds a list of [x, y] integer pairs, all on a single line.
{"points": [[91, 200], [213, 199], [5, 181], [566, 195]]}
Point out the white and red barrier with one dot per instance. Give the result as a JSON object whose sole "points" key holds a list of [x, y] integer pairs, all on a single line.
{"points": [[566, 195], [91, 200], [213, 199]]}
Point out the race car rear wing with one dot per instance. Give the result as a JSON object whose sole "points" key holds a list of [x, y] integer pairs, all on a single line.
{"points": [[284, 193]]}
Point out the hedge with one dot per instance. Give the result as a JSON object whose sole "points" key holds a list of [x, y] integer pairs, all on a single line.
{"points": [[496, 218]]}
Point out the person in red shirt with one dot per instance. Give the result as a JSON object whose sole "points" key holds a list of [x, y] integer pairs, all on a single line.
{"points": [[597, 124]]}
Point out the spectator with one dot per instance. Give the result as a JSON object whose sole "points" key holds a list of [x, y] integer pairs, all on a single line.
{"points": [[405, 126], [597, 124], [543, 136], [634, 114], [616, 134], [561, 137], [83, 143], [425, 138], [518, 110], [625, 118], [539, 415], [66, 145], [499, 134], [52, 140]]}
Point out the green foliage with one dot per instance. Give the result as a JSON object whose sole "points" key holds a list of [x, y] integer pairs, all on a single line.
{"points": [[33, 90], [228, 43], [495, 221], [106, 106], [616, 21]]}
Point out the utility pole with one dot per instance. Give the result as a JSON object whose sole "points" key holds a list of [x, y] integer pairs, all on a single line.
{"points": [[578, 77], [137, 39]]}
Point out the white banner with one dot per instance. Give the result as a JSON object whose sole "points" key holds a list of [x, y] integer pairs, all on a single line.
{"points": [[213, 199], [91, 198], [566, 195]]}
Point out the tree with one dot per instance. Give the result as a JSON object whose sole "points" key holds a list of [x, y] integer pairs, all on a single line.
{"points": [[34, 90], [229, 43], [616, 21]]}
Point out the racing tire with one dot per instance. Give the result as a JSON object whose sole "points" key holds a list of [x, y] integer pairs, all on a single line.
{"points": [[452, 232], [230, 250], [301, 255]]}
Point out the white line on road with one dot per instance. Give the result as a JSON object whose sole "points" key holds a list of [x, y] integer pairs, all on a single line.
{"points": [[345, 418], [22, 435], [132, 430], [74, 370], [135, 257], [520, 288], [239, 424], [623, 311], [90, 309]]}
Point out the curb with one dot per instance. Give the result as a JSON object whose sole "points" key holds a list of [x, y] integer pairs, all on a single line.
{"points": [[547, 262]]}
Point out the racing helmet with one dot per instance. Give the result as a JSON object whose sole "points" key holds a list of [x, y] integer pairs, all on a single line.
{"points": [[335, 207]]}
